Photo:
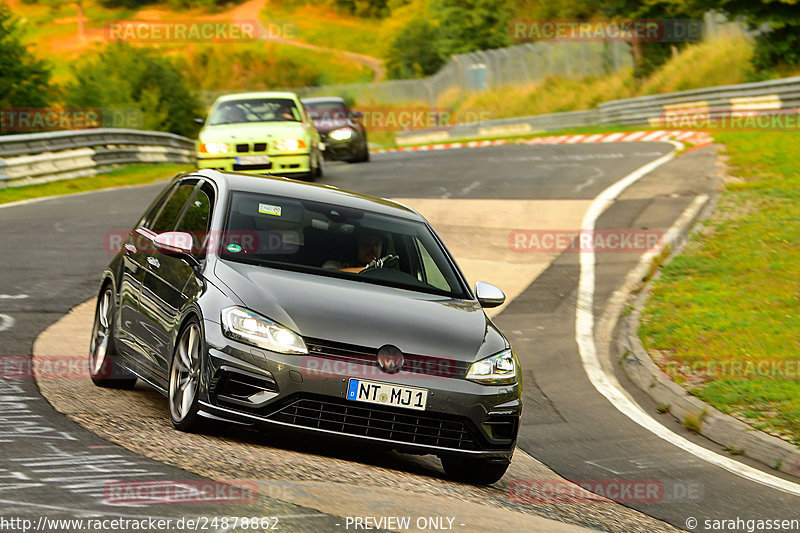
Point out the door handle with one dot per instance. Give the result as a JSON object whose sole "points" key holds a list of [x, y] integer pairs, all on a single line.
{"points": [[131, 249], [153, 262]]}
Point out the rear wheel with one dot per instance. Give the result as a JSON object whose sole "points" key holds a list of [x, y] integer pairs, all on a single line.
{"points": [[103, 368], [480, 471], [184, 378]]}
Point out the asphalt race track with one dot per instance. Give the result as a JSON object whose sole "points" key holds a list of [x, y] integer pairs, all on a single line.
{"points": [[52, 252]]}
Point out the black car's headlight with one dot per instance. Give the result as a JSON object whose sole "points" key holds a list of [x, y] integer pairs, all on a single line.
{"points": [[499, 369], [245, 326], [342, 134]]}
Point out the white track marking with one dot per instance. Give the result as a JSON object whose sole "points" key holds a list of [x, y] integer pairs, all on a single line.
{"points": [[13, 296], [6, 322], [471, 187], [606, 384]]}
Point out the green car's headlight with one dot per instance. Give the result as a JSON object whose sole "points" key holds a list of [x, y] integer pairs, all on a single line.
{"points": [[245, 326], [290, 145], [341, 134], [499, 369], [214, 148]]}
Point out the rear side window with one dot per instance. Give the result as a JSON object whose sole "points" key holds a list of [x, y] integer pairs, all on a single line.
{"points": [[166, 219]]}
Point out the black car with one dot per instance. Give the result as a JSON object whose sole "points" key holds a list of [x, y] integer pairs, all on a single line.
{"points": [[271, 302], [341, 129]]}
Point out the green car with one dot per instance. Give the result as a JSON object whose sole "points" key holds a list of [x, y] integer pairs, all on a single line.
{"points": [[264, 132]]}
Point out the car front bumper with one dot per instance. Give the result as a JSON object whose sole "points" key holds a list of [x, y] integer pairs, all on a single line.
{"points": [[278, 164], [343, 150], [308, 392]]}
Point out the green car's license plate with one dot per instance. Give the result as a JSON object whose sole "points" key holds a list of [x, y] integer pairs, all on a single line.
{"points": [[252, 160], [387, 394]]}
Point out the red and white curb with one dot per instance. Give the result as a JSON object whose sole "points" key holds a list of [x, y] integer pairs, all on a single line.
{"points": [[698, 138]]}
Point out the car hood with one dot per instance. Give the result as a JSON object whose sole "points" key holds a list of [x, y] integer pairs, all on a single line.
{"points": [[364, 314], [254, 131]]}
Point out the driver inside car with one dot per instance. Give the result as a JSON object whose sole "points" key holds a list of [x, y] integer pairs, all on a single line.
{"points": [[369, 247]]}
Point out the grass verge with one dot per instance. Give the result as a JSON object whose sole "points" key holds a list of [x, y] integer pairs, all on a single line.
{"points": [[129, 175], [723, 318]]}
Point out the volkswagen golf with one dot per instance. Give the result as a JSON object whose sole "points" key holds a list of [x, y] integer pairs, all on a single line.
{"points": [[281, 304]]}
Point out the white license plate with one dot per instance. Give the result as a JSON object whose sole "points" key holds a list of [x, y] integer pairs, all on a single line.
{"points": [[252, 160], [322, 147], [387, 394]]}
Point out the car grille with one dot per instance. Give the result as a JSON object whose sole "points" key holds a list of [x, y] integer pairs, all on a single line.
{"points": [[244, 148], [418, 364], [431, 429]]}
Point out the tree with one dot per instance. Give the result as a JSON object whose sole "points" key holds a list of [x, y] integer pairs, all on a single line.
{"points": [[778, 43], [414, 51], [24, 79], [127, 78], [469, 25]]}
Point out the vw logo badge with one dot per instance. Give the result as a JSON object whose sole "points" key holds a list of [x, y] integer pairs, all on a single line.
{"points": [[390, 359]]}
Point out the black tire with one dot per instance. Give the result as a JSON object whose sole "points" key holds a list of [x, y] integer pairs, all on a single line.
{"points": [[362, 156], [186, 364], [104, 369], [479, 471]]}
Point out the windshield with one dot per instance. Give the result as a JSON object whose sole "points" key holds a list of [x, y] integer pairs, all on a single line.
{"points": [[255, 110], [331, 240], [327, 114]]}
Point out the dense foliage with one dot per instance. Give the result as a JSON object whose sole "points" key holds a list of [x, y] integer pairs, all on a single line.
{"points": [[24, 79], [127, 78]]}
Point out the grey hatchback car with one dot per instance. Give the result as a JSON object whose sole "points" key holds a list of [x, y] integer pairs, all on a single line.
{"points": [[274, 303]]}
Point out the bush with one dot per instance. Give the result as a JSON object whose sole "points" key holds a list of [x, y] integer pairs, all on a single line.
{"points": [[121, 76]]}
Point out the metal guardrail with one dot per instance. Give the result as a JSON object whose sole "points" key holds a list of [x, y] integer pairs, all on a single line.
{"points": [[661, 110], [40, 157]]}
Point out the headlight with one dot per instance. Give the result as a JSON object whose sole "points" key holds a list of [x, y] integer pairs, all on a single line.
{"points": [[290, 145], [341, 134], [499, 369], [246, 326], [214, 148]]}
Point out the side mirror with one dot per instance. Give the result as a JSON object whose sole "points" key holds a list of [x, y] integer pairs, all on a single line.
{"points": [[199, 121], [489, 295], [174, 242]]}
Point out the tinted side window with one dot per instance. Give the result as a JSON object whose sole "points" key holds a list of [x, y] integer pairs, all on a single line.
{"points": [[172, 209], [148, 218], [196, 220]]}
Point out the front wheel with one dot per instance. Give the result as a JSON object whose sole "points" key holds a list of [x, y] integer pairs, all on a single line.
{"points": [[184, 378], [102, 353], [480, 471]]}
